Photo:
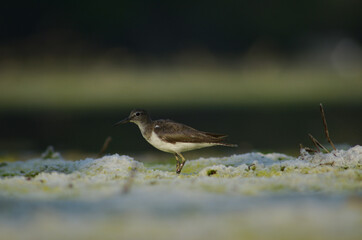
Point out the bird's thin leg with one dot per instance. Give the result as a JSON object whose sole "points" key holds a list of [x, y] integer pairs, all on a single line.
{"points": [[178, 170], [177, 161]]}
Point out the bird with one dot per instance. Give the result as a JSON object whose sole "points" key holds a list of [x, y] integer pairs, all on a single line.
{"points": [[173, 137]]}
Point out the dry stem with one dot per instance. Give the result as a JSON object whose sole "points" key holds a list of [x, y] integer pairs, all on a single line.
{"points": [[105, 146], [317, 144], [325, 126], [127, 186]]}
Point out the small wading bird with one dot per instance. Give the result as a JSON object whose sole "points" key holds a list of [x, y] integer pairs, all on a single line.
{"points": [[173, 137]]}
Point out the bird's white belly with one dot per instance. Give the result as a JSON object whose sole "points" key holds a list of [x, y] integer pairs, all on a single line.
{"points": [[177, 147]]}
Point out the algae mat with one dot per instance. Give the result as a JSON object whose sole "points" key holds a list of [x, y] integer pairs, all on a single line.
{"points": [[251, 196]]}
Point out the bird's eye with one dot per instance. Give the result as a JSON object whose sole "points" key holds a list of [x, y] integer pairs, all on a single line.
{"points": [[138, 113]]}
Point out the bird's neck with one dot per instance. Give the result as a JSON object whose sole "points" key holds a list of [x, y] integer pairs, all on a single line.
{"points": [[146, 128]]}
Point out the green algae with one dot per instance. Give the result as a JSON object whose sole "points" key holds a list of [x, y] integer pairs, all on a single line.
{"points": [[7, 174], [211, 172], [22, 170], [212, 192], [238, 174], [31, 174], [3, 164], [50, 154]]}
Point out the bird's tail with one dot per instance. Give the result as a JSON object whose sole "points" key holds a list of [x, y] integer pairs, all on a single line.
{"points": [[228, 144]]}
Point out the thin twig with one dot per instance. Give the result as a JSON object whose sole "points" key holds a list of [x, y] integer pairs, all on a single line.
{"points": [[314, 142], [327, 164], [309, 150], [300, 147], [317, 144], [127, 186], [325, 126], [303, 149], [105, 146]]}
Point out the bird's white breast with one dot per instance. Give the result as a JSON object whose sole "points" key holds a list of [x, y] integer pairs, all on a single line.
{"points": [[177, 147]]}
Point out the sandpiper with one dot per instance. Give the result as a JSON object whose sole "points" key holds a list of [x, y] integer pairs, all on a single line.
{"points": [[173, 137]]}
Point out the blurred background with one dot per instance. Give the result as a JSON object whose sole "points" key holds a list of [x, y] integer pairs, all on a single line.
{"points": [[255, 70]]}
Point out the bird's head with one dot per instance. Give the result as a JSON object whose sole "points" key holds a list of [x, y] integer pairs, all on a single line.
{"points": [[137, 116]]}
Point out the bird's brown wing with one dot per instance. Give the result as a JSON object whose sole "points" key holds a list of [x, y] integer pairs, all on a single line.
{"points": [[173, 132]]}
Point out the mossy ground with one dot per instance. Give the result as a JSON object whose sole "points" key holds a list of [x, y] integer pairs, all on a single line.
{"points": [[250, 196]]}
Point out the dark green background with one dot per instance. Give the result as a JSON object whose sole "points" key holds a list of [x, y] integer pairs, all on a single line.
{"points": [[57, 42]]}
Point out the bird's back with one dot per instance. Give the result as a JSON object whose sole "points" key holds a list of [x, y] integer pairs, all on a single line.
{"points": [[173, 132]]}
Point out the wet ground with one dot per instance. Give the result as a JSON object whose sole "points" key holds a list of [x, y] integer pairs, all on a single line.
{"points": [[253, 195]]}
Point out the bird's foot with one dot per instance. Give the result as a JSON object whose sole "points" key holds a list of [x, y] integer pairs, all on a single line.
{"points": [[179, 165], [179, 168]]}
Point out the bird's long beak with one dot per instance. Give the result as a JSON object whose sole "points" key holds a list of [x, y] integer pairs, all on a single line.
{"points": [[126, 120]]}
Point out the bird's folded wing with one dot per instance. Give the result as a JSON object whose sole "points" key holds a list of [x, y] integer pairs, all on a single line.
{"points": [[176, 132]]}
